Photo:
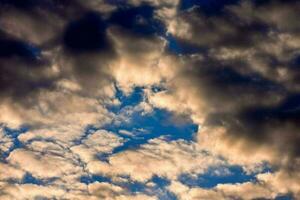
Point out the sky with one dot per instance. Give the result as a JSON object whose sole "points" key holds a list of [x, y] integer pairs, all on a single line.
{"points": [[149, 99]]}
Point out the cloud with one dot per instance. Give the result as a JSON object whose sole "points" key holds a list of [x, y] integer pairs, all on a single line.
{"points": [[108, 191], [6, 141], [42, 166], [9, 191], [158, 157], [31, 69], [99, 142], [241, 88], [247, 191], [62, 80], [244, 81], [57, 167], [282, 181], [84, 51], [95, 191], [267, 186], [64, 64], [9, 172]]}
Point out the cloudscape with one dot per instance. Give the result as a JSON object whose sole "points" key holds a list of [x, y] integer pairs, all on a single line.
{"points": [[149, 99]]}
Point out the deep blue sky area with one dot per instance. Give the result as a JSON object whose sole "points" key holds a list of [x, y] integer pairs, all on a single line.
{"points": [[211, 179], [148, 126], [209, 7]]}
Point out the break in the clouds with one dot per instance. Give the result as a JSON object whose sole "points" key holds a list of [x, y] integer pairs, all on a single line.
{"points": [[149, 99]]}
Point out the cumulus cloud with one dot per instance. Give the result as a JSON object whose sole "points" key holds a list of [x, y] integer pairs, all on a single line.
{"points": [[6, 141], [43, 166], [267, 186], [56, 169], [95, 191], [245, 79], [85, 49], [245, 191], [160, 158], [95, 144]]}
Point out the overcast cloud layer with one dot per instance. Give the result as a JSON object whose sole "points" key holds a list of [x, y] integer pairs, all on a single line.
{"points": [[99, 99]]}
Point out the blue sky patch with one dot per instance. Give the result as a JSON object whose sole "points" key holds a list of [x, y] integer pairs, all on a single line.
{"points": [[159, 188], [156, 124], [144, 127], [181, 47], [29, 179], [285, 197], [214, 176], [139, 20], [13, 134], [93, 178], [208, 7]]}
